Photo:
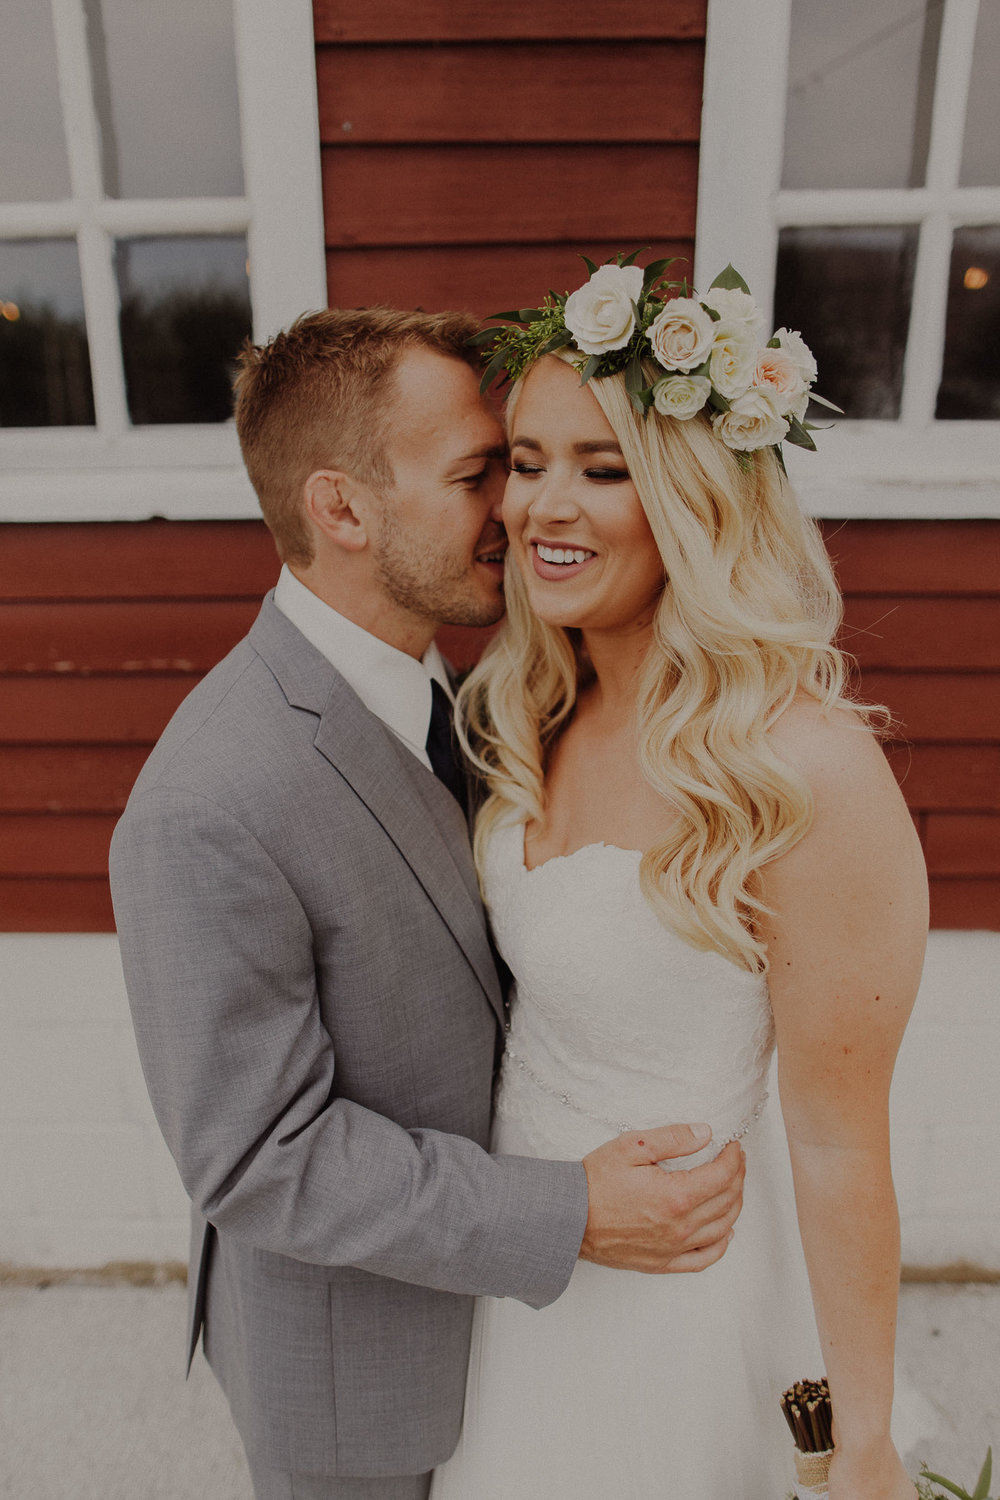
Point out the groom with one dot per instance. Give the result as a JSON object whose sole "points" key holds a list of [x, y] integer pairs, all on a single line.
{"points": [[314, 995]]}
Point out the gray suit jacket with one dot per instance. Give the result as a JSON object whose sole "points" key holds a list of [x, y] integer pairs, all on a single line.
{"points": [[316, 1009]]}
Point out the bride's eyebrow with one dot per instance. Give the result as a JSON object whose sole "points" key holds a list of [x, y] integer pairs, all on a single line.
{"points": [[602, 445]]}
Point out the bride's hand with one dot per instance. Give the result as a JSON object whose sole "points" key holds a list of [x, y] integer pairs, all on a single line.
{"points": [[874, 1474]]}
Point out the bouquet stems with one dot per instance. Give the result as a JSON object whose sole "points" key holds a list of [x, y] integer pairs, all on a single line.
{"points": [[806, 1408]]}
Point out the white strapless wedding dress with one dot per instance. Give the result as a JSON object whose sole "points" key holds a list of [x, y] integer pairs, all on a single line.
{"points": [[633, 1387]]}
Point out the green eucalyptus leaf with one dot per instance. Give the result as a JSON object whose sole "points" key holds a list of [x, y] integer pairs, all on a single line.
{"points": [[822, 401], [781, 459], [514, 316], [496, 364], [590, 368], [591, 267], [730, 281], [654, 271], [559, 340], [713, 312], [798, 435], [952, 1488], [634, 382], [484, 336], [717, 400], [982, 1489], [630, 260], [773, 344]]}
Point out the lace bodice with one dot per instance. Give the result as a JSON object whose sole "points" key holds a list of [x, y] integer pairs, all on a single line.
{"points": [[617, 1022]]}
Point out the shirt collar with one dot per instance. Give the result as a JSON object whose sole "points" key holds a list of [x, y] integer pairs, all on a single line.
{"points": [[393, 686]]}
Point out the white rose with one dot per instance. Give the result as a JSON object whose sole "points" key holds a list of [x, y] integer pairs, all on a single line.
{"points": [[778, 373], [681, 335], [600, 315], [752, 421], [734, 306], [800, 352], [681, 396], [733, 359]]}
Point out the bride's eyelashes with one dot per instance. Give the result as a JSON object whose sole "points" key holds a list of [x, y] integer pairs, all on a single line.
{"points": [[607, 476], [596, 475]]}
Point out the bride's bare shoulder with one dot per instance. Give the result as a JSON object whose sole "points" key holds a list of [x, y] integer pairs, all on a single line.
{"points": [[834, 748], [858, 819]]}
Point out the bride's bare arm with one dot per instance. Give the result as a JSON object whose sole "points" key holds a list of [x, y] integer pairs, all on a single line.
{"points": [[846, 943]]}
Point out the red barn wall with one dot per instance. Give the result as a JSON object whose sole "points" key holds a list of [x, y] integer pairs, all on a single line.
{"points": [[104, 629], [470, 151], [467, 158]]}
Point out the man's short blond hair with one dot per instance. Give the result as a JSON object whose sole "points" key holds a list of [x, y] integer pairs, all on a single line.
{"points": [[318, 396]]}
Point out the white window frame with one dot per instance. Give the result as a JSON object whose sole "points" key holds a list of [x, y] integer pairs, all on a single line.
{"points": [[916, 466], [114, 471]]}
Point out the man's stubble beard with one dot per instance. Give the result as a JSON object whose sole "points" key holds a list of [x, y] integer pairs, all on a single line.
{"points": [[431, 585]]}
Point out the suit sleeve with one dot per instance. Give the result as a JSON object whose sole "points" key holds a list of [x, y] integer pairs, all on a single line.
{"points": [[217, 954]]}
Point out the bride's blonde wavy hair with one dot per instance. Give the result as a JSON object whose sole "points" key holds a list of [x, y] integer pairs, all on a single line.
{"points": [[746, 620]]}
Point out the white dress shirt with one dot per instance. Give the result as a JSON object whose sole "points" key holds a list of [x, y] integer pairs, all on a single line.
{"points": [[394, 686]]}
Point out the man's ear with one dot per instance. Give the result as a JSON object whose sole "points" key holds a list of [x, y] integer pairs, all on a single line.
{"points": [[335, 503]]}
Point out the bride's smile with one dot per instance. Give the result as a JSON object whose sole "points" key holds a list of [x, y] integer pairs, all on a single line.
{"points": [[578, 533]]}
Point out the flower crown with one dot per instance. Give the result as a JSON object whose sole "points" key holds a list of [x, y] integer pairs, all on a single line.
{"points": [[708, 350]]}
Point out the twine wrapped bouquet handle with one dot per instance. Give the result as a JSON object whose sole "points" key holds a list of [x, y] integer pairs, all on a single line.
{"points": [[806, 1409]]}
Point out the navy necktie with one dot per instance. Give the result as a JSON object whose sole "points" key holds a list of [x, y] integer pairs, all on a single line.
{"points": [[441, 744]]}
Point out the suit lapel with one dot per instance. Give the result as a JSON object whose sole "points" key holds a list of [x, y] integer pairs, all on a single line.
{"points": [[418, 814]]}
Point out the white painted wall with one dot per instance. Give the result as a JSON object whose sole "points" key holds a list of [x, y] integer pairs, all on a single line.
{"points": [[85, 1178], [84, 1175]]}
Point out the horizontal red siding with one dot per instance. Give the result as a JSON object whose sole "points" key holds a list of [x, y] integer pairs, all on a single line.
{"points": [[56, 905], [467, 155], [920, 634], [960, 843], [68, 778], [89, 710], [555, 93], [957, 558], [94, 662], [420, 195], [949, 777], [154, 560], [471, 20], [36, 845], [965, 904], [96, 636], [481, 278]]}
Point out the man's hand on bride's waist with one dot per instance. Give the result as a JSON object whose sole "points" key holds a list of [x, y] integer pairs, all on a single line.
{"points": [[643, 1219]]}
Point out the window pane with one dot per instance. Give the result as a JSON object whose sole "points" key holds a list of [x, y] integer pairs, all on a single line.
{"points": [[164, 77], [970, 379], [33, 161], [44, 359], [981, 153], [860, 92], [185, 311], [848, 292]]}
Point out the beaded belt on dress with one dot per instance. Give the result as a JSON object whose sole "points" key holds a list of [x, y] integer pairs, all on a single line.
{"points": [[621, 1126]]}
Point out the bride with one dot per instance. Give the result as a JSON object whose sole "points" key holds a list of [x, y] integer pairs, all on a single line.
{"points": [[691, 847]]}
